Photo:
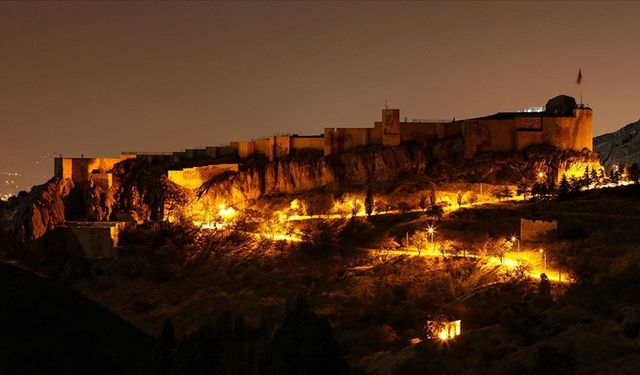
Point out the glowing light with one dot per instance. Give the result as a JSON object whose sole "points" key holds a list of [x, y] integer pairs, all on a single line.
{"points": [[443, 335], [443, 330], [226, 213], [431, 230], [295, 205]]}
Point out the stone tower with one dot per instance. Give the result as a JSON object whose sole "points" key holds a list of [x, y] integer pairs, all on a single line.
{"points": [[390, 127]]}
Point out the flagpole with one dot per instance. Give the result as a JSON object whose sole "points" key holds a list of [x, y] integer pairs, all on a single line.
{"points": [[579, 81]]}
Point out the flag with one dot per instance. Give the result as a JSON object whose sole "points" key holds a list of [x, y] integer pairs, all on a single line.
{"points": [[579, 80]]}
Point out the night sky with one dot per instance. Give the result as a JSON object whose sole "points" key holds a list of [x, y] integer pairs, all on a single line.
{"points": [[100, 78]]}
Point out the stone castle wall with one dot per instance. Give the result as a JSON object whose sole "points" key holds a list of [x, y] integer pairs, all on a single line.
{"points": [[279, 146], [518, 133], [563, 125], [87, 169], [193, 178]]}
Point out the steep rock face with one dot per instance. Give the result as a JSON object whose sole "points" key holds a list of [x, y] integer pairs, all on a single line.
{"points": [[290, 176], [359, 168], [30, 215], [621, 146]]}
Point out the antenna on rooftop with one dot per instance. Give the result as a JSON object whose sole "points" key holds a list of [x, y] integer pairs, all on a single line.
{"points": [[386, 106]]}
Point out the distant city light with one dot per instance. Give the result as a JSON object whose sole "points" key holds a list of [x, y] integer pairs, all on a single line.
{"points": [[532, 110]]}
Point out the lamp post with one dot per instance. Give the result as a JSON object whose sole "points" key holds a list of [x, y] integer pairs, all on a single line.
{"points": [[514, 239], [431, 230], [544, 257]]}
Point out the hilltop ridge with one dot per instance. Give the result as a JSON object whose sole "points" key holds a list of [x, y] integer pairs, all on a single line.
{"points": [[619, 147]]}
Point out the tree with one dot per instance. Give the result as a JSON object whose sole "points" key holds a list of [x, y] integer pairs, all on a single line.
{"points": [[368, 202], [423, 202], [200, 353], [552, 360], [564, 188], [435, 211], [168, 334], [433, 198], [595, 178], [304, 344], [523, 187], [551, 184], [503, 193], [586, 178], [544, 290], [421, 240], [459, 198], [633, 173], [355, 208], [614, 175], [539, 190], [495, 248]]}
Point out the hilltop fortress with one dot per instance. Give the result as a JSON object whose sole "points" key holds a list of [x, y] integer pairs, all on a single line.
{"points": [[561, 124]]}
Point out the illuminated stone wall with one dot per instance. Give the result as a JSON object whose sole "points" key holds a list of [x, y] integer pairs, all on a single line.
{"points": [[88, 169], [570, 133], [488, 135], [337, 140], [193, 178], [390, 127], [423, 132], [307, 142], [96, 240], [517, 133]]}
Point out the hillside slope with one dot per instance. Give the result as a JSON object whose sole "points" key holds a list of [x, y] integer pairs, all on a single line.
{"points": [[621, 146], [47, 328]]}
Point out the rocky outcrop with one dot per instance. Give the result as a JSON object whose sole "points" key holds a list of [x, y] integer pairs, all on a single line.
{"points": [[292, 175], [619, 147], [29, 216], [436, 163]]}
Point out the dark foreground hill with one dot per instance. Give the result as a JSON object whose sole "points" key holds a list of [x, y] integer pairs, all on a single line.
{"points": [[46, 328], [621, 146]]}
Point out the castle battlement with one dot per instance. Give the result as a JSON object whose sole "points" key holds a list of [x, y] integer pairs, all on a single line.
{"points": [[562, 124]]}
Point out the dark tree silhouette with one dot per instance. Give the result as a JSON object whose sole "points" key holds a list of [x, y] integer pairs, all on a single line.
{"points": [[200, 353], [633, 173], [551, 360], [435, 211], [544, 290], [368, 202], [523, 187], [304, 344], [423, 202], [564, 189], [168, 334]]}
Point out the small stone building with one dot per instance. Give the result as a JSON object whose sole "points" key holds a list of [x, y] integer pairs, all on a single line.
{"points": [[538, 231]]}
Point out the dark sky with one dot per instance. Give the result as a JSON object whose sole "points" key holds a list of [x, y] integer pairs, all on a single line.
{"points": [[100, 78]]}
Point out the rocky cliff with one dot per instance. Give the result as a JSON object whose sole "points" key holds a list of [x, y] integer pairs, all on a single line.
{"points": [[141, 191], [29, 216], [622, 146], [386, 164]]}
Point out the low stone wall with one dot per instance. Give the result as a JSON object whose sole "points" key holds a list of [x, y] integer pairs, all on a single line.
{"points": [[96, 239], [537, 231]]}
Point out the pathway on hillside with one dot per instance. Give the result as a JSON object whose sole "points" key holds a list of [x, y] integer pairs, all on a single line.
{"points": [[509, 262]]}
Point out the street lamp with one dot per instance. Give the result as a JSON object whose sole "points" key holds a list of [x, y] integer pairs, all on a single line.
{"points": [[431, 230], [514, 239], [544, 257]]}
